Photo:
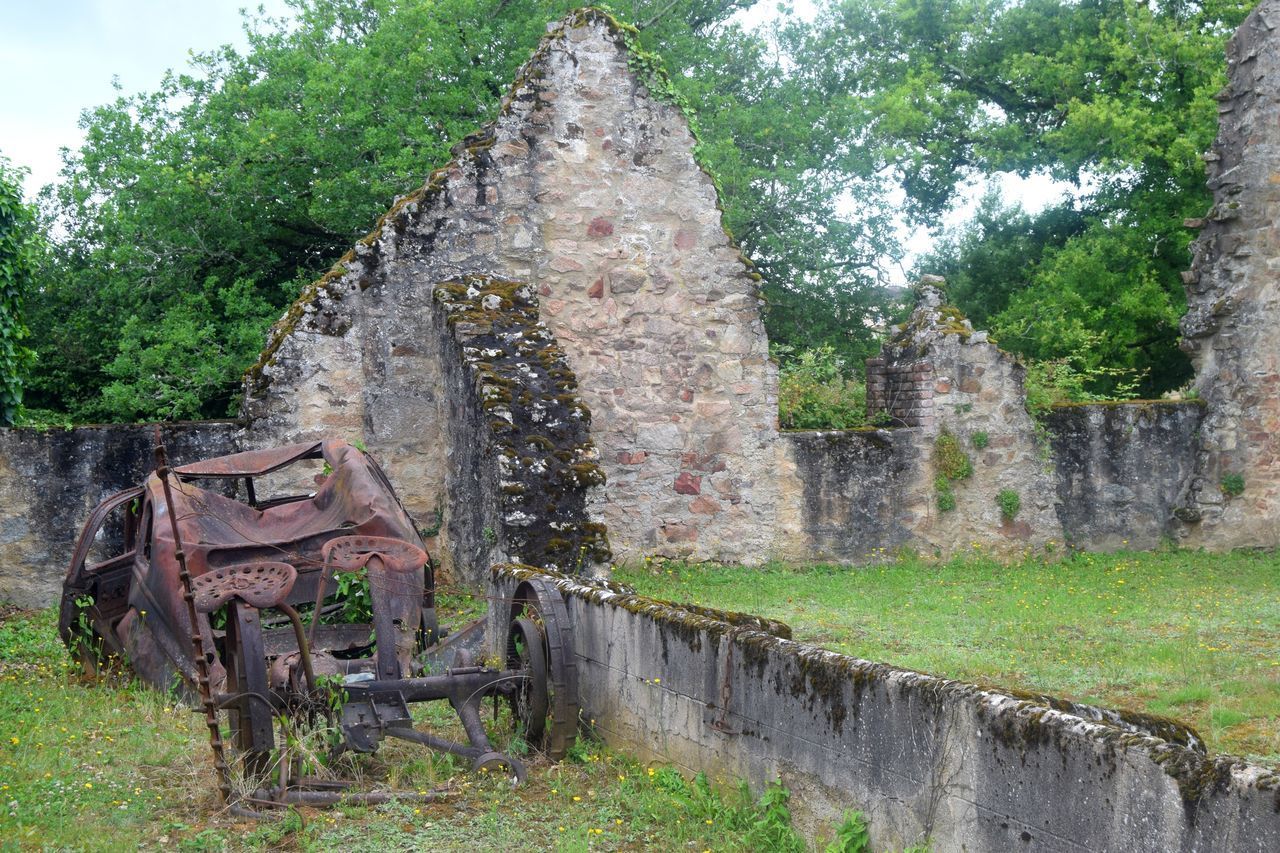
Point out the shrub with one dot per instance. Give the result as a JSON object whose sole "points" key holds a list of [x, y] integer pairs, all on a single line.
{"points": [[815, 393], [1232, 485], [1069, 380], [1009, 504]]}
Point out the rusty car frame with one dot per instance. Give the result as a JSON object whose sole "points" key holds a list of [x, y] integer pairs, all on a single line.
{"points": [[206, 584]]}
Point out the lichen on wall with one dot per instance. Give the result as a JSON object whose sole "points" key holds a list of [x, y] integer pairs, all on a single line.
{"points": [[538, 430]]}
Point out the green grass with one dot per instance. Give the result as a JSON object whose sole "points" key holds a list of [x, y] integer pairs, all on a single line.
{"points": [[1189, 635], [112, 766]]}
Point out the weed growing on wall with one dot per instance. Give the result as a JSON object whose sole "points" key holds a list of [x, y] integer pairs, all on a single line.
{"points": [[980, 440], [1009, 504], [1232, 485], [851, 835], [951, 464], [945, 496], [949, 459]]}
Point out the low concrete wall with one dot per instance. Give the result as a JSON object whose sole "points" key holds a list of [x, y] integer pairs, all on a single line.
{"points": [[1122, 470], [924, 758], [50, 480]]}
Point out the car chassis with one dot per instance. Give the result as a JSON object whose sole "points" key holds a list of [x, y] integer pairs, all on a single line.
{"points": [[207, 588]]}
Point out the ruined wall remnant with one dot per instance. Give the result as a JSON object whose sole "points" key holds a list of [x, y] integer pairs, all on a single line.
{"points": [[928, 760], [616, 308], [525, 462], [585, 188], [857, 499], [50, 480], [1121, 470], [1232, 325], [973, 436]]}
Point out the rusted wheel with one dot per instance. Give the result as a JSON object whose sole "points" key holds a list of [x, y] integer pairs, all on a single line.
{"points": [[538, 602], [526, 653], [249, 708]]}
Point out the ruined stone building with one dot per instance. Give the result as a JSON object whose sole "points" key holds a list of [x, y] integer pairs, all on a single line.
{"points": [[556, 351]]}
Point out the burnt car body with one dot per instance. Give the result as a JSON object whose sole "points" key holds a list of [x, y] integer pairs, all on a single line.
{"points": [[193, 577], [132, 600]]}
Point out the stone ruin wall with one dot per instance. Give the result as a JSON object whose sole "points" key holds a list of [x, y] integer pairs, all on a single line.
{"points": [[587, 189], [1232, 325], [50, 480]]}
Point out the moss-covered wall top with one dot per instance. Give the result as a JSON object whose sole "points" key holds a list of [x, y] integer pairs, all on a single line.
{"points": [[538, 426]]}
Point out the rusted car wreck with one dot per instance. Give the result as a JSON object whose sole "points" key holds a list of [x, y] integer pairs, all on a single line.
{"points": [[206, 583]]}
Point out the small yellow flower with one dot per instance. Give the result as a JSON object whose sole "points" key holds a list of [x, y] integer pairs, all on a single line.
{"points": [[88, 784], [577, 799]]}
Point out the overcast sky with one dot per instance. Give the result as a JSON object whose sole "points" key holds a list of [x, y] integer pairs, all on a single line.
{"points": [[58, 57]]}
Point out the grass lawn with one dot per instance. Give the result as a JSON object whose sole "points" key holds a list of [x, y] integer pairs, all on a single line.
{"points": [[1188, 635], [96, 766]]}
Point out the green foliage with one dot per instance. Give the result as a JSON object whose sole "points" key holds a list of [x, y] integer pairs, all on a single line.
{"points": [[245, 175], [851, 836], [771, 829], [1009, 504], [21, 247], [1074, 377], [949, 458], [1113, 96], [815, 393], [980, 440], [951, 464], [1232, 484], [944, 495], [354, 596]]}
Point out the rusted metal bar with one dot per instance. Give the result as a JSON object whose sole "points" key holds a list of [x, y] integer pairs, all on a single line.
{"points": [[197, 640], [304, 650]]}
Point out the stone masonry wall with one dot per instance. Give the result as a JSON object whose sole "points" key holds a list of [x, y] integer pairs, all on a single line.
{"points": [[1232, 325], [521, 476], [587, 189], [50, 480], [974, 437], [926, 760], [1122, 470], [857, 500]]}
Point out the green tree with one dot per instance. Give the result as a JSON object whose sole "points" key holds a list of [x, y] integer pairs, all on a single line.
{"points": [[252, 172], [20, 249], [1114, 96]]}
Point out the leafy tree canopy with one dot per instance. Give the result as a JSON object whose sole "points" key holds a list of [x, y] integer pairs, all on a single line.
{"points": [[192, 214], [1113, 96], [20, 250]]}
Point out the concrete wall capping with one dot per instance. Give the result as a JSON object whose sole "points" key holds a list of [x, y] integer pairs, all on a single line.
{"points": [[962, 766]]}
